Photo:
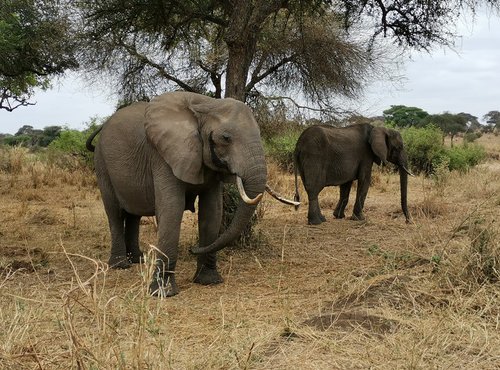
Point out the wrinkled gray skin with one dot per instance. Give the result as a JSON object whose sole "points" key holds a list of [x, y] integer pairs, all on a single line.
{"points": [[326, 156], [155, 158]]}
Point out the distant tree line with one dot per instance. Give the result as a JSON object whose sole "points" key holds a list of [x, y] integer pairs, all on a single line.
{"points": [[62, 138], [450, 124], [27, 136]]}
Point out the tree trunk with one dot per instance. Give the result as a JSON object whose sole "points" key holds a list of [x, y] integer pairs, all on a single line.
{"points": [[247, 20]]}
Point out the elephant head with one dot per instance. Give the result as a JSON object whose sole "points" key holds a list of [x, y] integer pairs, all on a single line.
{"points": [[194, 132], [387, 145]]}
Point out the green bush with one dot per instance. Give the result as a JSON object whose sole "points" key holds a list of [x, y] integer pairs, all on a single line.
{"points": [[281, 148], [424, 147], [464, 157], [427, 154], [69, 147], [470, 137]]}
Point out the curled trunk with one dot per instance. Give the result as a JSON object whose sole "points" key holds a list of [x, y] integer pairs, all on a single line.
{"points": [[254, 183]]}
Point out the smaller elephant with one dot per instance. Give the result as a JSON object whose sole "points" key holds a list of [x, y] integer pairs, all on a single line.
{"points": [[326, 156]]}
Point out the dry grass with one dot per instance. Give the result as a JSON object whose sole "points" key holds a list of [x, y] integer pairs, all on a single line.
{"points": [[375, 294]]}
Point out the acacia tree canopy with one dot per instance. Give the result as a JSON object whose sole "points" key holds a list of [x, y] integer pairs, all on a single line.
{"points": [[492, 119], [450, 124], [34, 46], [403, 116], [201, 45], [237, 47]]}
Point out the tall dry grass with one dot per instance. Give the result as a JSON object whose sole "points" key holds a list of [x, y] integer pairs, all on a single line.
{"points": [[375, 294]]}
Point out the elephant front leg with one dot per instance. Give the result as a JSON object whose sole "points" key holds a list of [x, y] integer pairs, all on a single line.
{"points": [[169, 210], [345, 189], [163, 283], [209, 222]]}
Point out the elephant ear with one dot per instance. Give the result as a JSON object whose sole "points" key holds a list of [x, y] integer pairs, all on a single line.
{"points": [[173, 130], [378, 143]]}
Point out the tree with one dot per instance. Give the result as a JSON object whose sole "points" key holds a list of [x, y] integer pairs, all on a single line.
{"points": [[415, 24], [35, 45], [492, 119], [450, 124], [25, 130], [49, 134], [29, 137], [471, 121], [304, 47], [201, 45], [403, 116]]}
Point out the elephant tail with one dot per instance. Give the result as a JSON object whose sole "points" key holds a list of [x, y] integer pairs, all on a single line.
{"points": [[88, 144], [295, 167]]}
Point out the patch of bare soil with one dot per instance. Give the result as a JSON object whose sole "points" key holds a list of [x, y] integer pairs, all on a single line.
{"points": [[349, 321]]}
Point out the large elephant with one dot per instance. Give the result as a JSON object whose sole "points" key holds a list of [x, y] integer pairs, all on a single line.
{"points": [[156, 158], [326, 155]]}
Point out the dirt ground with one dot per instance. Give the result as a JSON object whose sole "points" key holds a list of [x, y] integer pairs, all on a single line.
{"points": [[378, 294]]}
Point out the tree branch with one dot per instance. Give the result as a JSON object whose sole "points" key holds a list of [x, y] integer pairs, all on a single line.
{"points": [[146, 61], [257, 78], [214, 76], [306, 107], [5, 101]]}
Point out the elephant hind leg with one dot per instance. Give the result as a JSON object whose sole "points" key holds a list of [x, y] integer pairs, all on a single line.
{"points": [[134, 254], [363, 186], [116, 219], [345, 189], [313, 179], [118, 258], [314, 215]]}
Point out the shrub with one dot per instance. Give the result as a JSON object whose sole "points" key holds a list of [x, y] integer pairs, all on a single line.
{"points": [[424, 147], [470, 137], [461, 158], [281, 148], [68, 146]]}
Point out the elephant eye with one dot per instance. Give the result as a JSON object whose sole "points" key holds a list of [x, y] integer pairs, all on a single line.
{"points": [[226, 137]]}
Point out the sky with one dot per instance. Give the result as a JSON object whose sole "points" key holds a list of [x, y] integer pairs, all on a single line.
{"points": [[466, 79]]}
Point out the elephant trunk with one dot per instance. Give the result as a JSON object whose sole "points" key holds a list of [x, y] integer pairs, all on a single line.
{"points": [[403, 181], [254, 183]]}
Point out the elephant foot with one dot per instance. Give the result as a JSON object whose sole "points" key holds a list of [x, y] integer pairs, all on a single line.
{"points": [[316, 220], [135, 258], [338, 214], [207, 276], [163, 287], [359, 217], [119, 262]]}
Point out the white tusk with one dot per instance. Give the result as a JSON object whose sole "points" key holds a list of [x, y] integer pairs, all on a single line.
{"points": [[244, 195], [280, 198], [408, 172]]}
